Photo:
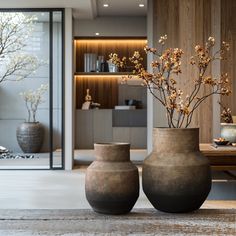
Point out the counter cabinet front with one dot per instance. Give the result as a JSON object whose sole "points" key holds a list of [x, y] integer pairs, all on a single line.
{"points": [[108, 125]]}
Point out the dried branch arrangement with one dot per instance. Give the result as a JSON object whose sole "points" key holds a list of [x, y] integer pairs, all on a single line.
{"points": [[162, 81], [226, 114]]}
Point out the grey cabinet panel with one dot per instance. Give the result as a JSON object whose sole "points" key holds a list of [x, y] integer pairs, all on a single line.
{"points": [[138, 137], [102, 125], [138, 118], [84, 129], [136, 92], [129, 118], [121, 134], [94, 126]]}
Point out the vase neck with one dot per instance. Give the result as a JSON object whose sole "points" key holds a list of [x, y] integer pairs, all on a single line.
{"points": [[175, 140], [114, 152]]}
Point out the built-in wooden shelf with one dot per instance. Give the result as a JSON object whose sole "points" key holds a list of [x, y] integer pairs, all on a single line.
{"points": [[104, 87], [105, 46]]}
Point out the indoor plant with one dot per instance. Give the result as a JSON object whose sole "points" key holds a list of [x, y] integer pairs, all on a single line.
{"points": [[30, 133], [228, 127], [176, 176]]}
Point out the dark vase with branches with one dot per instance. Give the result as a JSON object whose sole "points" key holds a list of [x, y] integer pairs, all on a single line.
{"points": [[176, 177], [30, 133]]}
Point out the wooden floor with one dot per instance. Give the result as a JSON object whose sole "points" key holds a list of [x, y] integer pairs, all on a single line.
{"points": [[65, 190]]}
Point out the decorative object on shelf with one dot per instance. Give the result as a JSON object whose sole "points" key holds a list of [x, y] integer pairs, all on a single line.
{"points": [[176, 176], [86, 106], [226, 115], [220, 141], [104, 66], [98, 63], [95, 105], [119, 62], [228, 132], [112, 67], [90, 62], [112, 180], [234, 119], [88, 100], [30, 134], [228, 128], [88, 97], [133, 102]]}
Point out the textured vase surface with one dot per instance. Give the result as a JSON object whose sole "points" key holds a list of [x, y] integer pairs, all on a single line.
{"points": [[112, 180], [228, 131], [176, 176], [30, 136]]}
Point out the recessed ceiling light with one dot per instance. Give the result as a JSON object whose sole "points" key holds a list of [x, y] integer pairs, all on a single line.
{"points": [[105, 5], [97, 33], [141, 5]]}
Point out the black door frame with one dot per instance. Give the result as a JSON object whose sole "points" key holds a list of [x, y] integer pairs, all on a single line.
{"points": [[51, 11]]}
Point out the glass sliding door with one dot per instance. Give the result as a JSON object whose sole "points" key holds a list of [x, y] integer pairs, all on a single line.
{"points": [[31, 85]]}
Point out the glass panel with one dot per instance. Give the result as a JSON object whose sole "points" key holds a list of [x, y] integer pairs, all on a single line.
{"points": [[57, 90], [24, 91]]}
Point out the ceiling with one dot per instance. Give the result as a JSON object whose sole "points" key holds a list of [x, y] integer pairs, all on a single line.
{"points": [[84, 9], [121, 8]]}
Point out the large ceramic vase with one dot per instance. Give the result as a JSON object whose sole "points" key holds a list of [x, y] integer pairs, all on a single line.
{"points": [[228, 131], [176, 175], [30, 136], [112, 181]]}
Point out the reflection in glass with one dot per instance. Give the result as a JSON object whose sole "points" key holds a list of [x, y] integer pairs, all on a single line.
{"points": [[25, 90]]}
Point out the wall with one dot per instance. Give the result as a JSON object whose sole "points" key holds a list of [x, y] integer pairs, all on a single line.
{"points": [[228, 34], [111, 26], [187, 23]]}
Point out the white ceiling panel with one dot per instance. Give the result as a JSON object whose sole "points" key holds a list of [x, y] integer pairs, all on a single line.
{"points": [[121, 8], [84, 9]]}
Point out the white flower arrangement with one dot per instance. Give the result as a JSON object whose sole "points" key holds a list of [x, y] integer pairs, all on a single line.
{"points": [[32, 100], [15, 30]]}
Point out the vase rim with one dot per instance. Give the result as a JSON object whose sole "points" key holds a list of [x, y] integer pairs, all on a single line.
{"points": [[111, 144], [167, 128], [228, 124]]}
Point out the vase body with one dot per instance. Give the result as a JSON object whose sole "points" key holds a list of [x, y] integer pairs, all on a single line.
{"points": [[112, 180], [176, 175], [30, 136], [228, 131]]}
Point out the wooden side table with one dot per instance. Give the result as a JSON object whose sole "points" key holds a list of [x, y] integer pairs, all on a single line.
{"points": [[221, 158]]}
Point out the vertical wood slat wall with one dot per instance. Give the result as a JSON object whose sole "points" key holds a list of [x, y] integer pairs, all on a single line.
{"points": [[103, 90], [187, 23], [228, 34]]}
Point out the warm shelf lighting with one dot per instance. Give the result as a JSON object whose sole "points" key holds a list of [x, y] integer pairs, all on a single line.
{"points": [[98, 76], [141, 5], [110, 41], [105, 5]]}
